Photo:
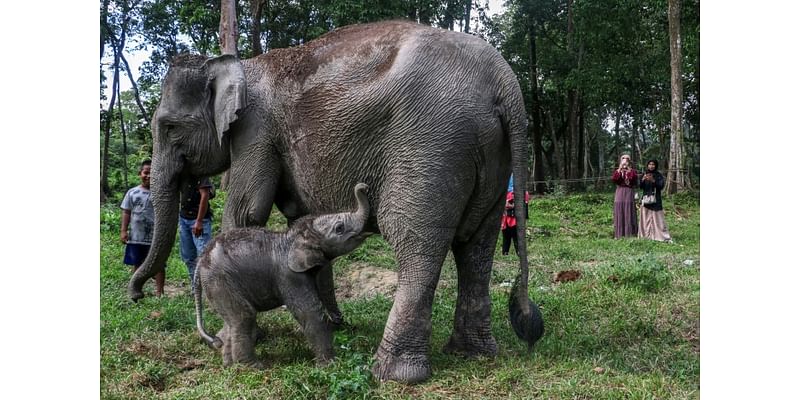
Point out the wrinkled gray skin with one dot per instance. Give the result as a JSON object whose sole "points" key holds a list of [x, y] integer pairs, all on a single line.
{"points": [[432, 120], [247, 270]]}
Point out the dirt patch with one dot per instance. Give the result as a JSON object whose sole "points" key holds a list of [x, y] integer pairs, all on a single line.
{"points": [[566, 276], [173, 290], [156, 383], [361, 280], [155, 352]]}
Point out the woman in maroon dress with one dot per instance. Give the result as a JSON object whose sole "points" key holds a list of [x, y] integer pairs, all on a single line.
{"points": [[625, 221]]}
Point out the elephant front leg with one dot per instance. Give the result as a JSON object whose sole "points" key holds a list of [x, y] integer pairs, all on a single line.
{"points": [[307, 309], [251, 190], [327, 294], [403, 351], [472, 333]]}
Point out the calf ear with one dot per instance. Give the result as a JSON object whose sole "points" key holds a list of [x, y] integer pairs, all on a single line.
{"points": [[303, 256]]}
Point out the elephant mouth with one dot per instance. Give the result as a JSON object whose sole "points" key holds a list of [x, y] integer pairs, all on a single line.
{"points": [[362, 236]]}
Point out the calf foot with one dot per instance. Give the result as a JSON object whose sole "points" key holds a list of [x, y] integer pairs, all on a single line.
{"points": [[403, 367], [471, 344]]}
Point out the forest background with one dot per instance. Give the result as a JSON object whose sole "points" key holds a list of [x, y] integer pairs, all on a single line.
{"points": [[602, 73], [50, 120]]}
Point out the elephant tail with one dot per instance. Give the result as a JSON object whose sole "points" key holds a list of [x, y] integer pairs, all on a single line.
{"points": [[210, 340], [525, 316]]}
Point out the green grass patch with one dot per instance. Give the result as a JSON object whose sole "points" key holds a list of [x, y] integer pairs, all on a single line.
{"points": [[628, 327]]}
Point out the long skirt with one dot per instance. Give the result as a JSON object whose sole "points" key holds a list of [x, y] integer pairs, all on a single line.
{"points": [[625, 221], [653, 226]]}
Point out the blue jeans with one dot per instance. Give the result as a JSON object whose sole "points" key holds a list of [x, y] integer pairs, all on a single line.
{"points": [[191, 245]]}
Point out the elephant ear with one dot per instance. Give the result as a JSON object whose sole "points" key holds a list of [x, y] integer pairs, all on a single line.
{"points": [[229, 90], [304, 256]]}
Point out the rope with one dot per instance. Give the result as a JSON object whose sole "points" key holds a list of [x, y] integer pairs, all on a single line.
{"points": [[573, 180], [592, 179]]}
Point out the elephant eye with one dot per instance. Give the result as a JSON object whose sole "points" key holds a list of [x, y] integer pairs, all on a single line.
{"points": [[339, 228]]}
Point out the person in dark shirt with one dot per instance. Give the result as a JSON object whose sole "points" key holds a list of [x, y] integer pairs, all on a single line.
{"points": [[194, 227], [652, 224]]}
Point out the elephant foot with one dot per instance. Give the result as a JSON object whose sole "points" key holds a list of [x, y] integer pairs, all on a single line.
{"points": [[406, 368], [247, 362], [471, 345]]}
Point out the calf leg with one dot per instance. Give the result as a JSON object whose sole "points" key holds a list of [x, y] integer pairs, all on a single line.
{"points": [[305, 305]]}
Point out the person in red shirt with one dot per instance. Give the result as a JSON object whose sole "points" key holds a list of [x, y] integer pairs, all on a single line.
{"points": [[508, 222], [627, 180]]}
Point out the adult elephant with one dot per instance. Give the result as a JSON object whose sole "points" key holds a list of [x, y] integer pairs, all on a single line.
{"points": [[433, 121]]}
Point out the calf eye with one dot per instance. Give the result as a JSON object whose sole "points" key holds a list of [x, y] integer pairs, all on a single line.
{"points": [[339, 228]]}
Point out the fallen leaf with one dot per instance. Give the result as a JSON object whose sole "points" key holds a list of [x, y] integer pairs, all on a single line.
{"points": [[599, 370], [155, 314]]}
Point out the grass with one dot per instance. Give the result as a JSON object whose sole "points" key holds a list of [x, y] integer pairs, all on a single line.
{"points": [[627, 328]]}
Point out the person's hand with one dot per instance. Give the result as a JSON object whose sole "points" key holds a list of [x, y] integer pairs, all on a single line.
{"points": [[198, 228], [123, 236]]}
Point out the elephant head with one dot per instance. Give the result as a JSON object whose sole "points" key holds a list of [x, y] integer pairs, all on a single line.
{"points": [[322, 238], [200, 99]]}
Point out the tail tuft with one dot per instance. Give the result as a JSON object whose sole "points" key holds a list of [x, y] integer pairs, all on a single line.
{"points": [[526, 319]]}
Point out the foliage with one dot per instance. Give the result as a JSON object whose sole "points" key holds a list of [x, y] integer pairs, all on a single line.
{"points": [[617, 60], [633, 313]]}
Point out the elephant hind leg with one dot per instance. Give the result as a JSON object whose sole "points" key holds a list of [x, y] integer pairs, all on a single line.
{"points": [[239, 330], [420, 250], [472, 334], [242, 341]]}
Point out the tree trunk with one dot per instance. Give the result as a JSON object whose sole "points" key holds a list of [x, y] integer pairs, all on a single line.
{"points": [[675, 173], [587, 147], [256, 9], [636, 153], [557, 149], [103, 28], [538, 168], [227, 42], [124, 140], [135, 87], [663, 143], [467, 12], [573, 105], [104, 186], [601, 160], [616, 150], [228, 31]]}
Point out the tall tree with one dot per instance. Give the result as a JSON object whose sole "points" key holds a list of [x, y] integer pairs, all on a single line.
{"points": [[256, 11], [228, 31], [114, 31], [535, 109], [675, 173], [574, 102]]}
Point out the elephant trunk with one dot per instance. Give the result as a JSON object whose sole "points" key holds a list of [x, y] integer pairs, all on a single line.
{"points": [[164, 185], [362, 213]]}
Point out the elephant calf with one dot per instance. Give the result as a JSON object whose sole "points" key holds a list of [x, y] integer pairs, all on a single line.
{"points": [[245, 271]]}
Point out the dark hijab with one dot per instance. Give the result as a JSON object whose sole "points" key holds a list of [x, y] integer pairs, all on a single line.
{"points": [[654, 161]]}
